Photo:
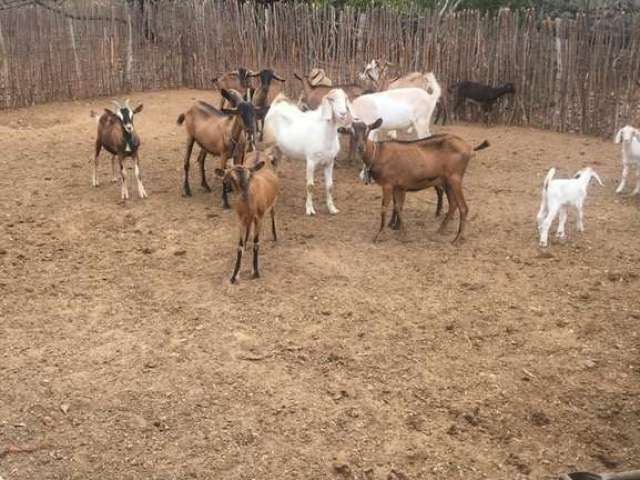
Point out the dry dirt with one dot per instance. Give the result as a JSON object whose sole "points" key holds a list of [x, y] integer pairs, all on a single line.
{"points": [[125, 353]]}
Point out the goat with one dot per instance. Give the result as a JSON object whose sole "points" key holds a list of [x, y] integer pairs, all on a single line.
{"points": [[116, 135], [557, 196], [257, 191], [630, 139], [265, 94], [399, 109], [409, 166], [313, 95], [222, 133], [375, 73], [311, 135], [237, 80], [483, 95]]}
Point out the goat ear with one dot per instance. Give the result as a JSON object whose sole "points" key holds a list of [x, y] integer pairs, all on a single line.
{"points": [[618, 137], [109, 111], [344, 131], [375, 124], [277, 77], [138, 109], [219, 173], [596, 176], [257, 166], [230, 111], [295, 74], [327, 109]]}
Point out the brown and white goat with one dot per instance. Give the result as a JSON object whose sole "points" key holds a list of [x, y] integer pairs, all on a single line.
{"points": [[409, 166], [218, 132], [376, 74], [257, 189], [313, 95], [116, 135], [238, 80]]}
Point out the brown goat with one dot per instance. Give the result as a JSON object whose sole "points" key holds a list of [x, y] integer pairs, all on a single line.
{"points": [[257, 191], [237, 80], [222, 133], [409, 166], [115, 134], [313, 95]]}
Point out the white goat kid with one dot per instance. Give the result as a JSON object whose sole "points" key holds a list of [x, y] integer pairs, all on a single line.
{"points": [[310, 135], [557, 196], [630, 139], [399, 109]]}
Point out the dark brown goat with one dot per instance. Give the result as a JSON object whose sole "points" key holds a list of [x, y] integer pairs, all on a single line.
{"points": [[116, 135], [409, 166], [217, 132], [313, 95], [265, 93], [257, 191], [483, 95]]}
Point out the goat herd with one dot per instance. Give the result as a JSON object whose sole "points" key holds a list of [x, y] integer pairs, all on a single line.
{"points": [[257, 126]]}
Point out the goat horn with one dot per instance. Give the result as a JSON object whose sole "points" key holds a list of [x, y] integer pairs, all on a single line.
{"points": [[117, 104], [126, 103], [277, 77]]}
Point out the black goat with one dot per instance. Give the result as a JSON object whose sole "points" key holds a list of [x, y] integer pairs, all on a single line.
{"points": [[482, 95]]}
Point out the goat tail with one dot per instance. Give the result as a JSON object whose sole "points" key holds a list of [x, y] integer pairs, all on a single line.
{"points": [[548, 178], [451, 88], [482, 146], [181, 118], [432, 82]]}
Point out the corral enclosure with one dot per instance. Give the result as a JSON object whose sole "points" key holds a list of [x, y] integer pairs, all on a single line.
{"points": [[85, 49], [125, 353]]}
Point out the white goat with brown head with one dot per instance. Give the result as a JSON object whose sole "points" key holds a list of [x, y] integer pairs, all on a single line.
{"points": [[116, 135]]}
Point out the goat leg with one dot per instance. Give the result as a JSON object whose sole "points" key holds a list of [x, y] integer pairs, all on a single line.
{"points": [[203, 176], [136, 168], [124, 192], [453, 206], [440, 193], [95, 163], [256, 246], [386, 198], [236, 269], [114, 170], [456, 186], [273, 225], [186, 189]]}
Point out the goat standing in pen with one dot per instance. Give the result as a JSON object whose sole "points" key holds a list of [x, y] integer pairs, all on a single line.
{"points": [[399, 109], [630, 139], [310, 135], [409, 166], [116, 136], [256, 187], [557, 196], [375, 74], [482, 95], [222, 133], [265, 94]]}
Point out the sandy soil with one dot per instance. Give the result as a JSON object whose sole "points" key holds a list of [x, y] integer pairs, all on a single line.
{"points": [[125, 353]]}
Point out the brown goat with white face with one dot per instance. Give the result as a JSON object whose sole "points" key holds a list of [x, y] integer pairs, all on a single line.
{"points": [[116, 135], [224, 133], [313, 95], [257, 191], [409, 166]]}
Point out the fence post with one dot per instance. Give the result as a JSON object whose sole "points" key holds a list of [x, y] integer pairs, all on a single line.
{"points": [[6, 93]]}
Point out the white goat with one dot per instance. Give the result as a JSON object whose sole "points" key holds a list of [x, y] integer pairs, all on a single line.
{"points": [[399, 109], [312, 135], [558, 195], [630, 139]]}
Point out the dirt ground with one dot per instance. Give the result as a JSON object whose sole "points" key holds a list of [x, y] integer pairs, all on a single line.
{"points": [[126, 354]]}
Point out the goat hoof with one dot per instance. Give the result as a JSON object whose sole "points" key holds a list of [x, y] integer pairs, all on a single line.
{"points": [[311, 212], [233, 281], [334, 211], [255, 275], [114, 180], [186, 192], [206, 188]]}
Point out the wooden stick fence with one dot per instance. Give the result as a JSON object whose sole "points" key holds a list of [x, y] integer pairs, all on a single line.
{"points": [[571, 75]]}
